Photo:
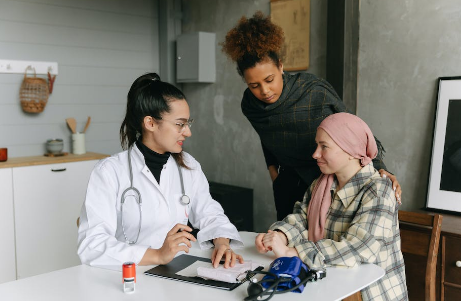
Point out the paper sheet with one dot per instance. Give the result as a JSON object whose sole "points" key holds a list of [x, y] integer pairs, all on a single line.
{"points": [[207, 271], [191, 271]]}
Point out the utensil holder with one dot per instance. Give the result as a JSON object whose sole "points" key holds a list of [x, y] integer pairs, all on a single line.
{"points": [[78, 144]]}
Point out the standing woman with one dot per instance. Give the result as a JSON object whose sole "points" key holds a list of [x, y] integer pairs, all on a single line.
{"points": [[284, 109], [139, 201]]}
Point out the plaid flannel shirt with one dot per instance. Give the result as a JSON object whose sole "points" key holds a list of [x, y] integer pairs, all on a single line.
{"points": [[361, 227]]}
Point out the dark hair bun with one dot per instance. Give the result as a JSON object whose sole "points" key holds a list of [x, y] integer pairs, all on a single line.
{"points": [[256, 36], [154, 76]]}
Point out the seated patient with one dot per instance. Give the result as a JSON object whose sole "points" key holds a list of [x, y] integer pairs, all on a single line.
{"points": [[349, 214]]}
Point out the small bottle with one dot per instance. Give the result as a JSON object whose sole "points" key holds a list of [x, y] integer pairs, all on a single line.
{"points": [[129, 277]]}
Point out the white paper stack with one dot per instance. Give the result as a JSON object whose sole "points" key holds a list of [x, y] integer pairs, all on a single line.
{"points": [[231, 275]]}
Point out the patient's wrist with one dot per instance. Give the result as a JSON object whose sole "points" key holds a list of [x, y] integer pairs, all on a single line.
{"points": [[292, 252], [282, 236]]}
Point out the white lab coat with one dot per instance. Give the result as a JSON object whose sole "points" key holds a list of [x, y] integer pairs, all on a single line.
{"points": [[100, 238]]}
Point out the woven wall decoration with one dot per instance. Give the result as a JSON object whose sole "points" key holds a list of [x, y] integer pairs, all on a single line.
{"points": [[34, 93]]}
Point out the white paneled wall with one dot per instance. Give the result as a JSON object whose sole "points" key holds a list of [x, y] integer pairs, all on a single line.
{"points": [[101, 46]]}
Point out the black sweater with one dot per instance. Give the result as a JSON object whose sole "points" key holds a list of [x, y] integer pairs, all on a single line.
{"points": [[154, 160]]}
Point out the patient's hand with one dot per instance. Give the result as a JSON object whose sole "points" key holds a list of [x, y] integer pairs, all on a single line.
{"points": [[259, 243], [276, 242]]}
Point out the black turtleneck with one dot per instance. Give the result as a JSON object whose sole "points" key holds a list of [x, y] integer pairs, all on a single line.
{"points": [[154, 160]]}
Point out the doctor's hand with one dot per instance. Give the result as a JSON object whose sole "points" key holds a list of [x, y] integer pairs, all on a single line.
{"points": [[177, 239], [222, 251]]}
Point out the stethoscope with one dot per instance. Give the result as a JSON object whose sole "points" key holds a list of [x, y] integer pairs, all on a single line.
{"points": [[184, 200]]}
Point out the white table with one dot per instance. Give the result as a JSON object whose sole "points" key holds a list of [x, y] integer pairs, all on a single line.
{"points": [[82, 283]]}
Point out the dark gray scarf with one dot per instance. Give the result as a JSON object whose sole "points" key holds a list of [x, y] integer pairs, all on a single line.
{"points": [[287, 127]]}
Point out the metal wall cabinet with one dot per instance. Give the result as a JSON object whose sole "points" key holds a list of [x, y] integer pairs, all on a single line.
{"points": [[196, 58]]}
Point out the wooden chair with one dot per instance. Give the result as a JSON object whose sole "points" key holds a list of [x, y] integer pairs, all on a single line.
{"points": [[420, 237], [355, 297]]}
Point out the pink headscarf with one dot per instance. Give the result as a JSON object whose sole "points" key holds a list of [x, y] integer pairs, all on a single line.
{"points": [[354, 137]]}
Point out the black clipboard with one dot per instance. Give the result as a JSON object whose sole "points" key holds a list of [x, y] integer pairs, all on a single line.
{"points": [[179, 263]]}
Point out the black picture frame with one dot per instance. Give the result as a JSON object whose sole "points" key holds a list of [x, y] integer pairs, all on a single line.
{"points": [[444, 187]]}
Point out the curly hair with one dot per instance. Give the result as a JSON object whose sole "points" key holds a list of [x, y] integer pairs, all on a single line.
{"points": [[252, 41]]}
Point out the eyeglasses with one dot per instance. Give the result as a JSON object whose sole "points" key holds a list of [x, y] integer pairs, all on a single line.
{"points": [[181, 124]]}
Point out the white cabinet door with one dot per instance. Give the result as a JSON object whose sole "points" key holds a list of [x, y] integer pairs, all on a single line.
{"points": [[7, 254], [47, 200]]}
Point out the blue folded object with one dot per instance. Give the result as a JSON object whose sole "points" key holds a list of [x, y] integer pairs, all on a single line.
{"points": [[291, 271]]}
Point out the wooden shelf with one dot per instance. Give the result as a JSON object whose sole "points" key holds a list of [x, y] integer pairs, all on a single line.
{"points": [[41, 160]]}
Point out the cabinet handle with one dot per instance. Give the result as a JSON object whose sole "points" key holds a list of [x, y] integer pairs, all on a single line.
{"points": [[458, 263], [58, 170]]}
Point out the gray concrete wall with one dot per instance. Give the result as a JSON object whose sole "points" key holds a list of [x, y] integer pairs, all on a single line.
{"points": [[223, 140], [100, 49], [404, 47]]}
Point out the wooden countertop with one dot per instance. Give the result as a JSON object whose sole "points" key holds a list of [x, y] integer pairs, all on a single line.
{"points": [[41, 160]]}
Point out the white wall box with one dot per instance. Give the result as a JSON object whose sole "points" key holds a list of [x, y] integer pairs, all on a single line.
{"points": [[47, 199], [196, 58]]}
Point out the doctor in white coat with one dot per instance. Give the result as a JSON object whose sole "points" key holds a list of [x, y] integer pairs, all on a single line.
{"points": [[137, 206]]}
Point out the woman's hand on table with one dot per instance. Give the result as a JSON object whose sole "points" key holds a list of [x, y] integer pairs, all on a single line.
{"points": [[259, 243], [276, 242], [223, 251]]}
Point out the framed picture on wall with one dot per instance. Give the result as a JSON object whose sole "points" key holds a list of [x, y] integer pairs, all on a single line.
{"points": [[444, 191], [294, 18]]}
